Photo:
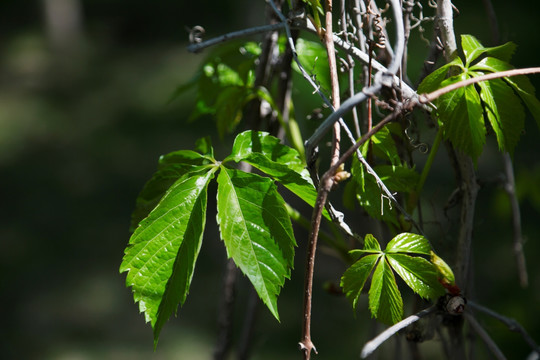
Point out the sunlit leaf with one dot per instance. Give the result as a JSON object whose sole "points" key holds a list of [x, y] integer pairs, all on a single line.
{"points": [[161, 255], [418, 273], [266, 153], [409, 243], [256, 230], [385, 301], [443, 270], [171, 168]]}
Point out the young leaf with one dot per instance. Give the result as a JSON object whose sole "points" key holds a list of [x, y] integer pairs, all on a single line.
{"points": [[409, 243], [471, 48], [444, 272], [354, 279], [371, 244], [418, 273], [281, 162], [161, 255], [385, 301], [256, 230]]}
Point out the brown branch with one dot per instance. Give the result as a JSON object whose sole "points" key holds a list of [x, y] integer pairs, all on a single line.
{"points": [[492, 346], [331, 51], [325, 185], [425, 98]]}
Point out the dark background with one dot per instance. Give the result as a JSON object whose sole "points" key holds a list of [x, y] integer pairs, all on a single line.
{"points": [[83, 120]]}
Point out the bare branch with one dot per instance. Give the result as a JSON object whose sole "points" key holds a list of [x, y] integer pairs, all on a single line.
{"points": [[426, 98], [512, 324], [372, 345], [492, 346], [196, 47]]}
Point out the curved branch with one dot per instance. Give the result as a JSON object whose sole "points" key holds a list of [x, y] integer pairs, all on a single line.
{"points": [[372, 345], [426, 98], [512, 324]]}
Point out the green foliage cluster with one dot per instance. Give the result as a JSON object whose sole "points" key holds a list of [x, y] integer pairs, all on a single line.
{"points": [[464, 112], [253, 219]]}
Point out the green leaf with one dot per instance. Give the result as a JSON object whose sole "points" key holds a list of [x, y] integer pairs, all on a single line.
{"points": [[228, 66], [490, 64], [313, 57], [369, 194], [472, 48], [371, 244], [171, 168], [444, 271], [161, 255], [462, 119], [502, 52], [398, 178], [504, 112], [409, 243], [264, 152], [526, 92], [229, 106], [204, 147], [256, 230], [354, 279], [385, 301], [384, 147], [418, 273], [433, 81]]}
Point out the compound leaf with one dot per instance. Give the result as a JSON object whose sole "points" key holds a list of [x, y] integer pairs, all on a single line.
{"points": [[161, 254], [256, 230]]}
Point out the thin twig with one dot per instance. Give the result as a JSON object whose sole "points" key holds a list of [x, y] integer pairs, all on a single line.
{"points": [[492, 346], [512, 324], [196, 47], [426, 98], [332, 65], [306, 345], [372, 345], [468, 186]]}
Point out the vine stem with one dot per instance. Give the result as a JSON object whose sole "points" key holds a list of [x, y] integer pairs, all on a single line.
{"points": [[331, 51], [325, 185]]}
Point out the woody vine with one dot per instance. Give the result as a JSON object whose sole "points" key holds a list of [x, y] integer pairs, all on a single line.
{"points": [[343, 50]]}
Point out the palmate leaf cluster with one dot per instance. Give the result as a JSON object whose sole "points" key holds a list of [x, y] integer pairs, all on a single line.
{"points": [[464, 113], [404, 256], [253, 221]]}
